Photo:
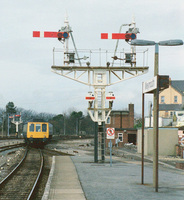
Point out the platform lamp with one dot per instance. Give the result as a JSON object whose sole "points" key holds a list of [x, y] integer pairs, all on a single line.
{"points": [[137, 42]]}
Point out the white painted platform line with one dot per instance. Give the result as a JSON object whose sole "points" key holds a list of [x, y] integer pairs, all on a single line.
{"points": [[47, 188]]}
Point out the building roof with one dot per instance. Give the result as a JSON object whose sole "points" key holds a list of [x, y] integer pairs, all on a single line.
{"points": [[168, 107], [178, 85], [118, 112]]}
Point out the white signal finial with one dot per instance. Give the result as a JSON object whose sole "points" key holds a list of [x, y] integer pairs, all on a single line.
{"points": [[133, 19], [66, 18]]}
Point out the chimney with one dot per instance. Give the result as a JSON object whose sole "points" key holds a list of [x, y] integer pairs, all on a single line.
{"points": [[131, 115], [169, 81]]}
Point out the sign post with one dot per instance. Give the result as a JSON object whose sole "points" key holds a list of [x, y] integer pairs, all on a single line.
{"points": [[110, 135], [110, 153], [153, 86]]}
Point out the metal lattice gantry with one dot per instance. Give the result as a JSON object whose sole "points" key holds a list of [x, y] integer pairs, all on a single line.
{"points": [[85, 66], [99, 77], [97, 68], [111, 75]]}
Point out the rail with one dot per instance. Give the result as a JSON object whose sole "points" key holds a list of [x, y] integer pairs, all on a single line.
{"points": [[4, 148], [40, 171], [17, 166], [21, 175]]}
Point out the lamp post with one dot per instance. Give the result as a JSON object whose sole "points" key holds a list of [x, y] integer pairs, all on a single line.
{"points": [[156, 98]]}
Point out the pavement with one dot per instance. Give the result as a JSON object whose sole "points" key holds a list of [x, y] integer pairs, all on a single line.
{"points": [[122, 181]]}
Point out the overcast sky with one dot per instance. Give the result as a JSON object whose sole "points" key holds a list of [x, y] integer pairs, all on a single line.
{"points": [[25, 62]]}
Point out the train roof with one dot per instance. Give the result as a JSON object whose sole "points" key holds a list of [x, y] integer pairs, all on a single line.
{"points": [[37, 120]]}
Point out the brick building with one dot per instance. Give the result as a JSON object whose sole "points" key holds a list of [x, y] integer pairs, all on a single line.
{"points": [[123, 122]]}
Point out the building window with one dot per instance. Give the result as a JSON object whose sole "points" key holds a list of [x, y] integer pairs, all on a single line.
{"points": [[171, 114], [120, 137], [162, 99], [175, 99], [108, 120]]}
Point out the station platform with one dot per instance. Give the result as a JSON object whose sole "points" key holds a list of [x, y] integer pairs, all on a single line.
{"points": [[63, 182], [78, 177]]}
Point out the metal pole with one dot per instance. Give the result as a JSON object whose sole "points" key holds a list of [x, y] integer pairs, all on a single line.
{"points": [[64, 124], [103, 141], [110, 153], [53, 56], [96, 143], [3, 126], [17, 127], [142, 180], [76, 127], [117, 42], [8, 125], [150, 106], [157, 133], [155, 125], [75, 49]]}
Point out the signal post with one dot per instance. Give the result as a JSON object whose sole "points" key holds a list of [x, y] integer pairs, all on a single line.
{"points": [[81, 66]]}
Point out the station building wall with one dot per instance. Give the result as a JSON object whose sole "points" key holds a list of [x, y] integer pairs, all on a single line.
{"points": [[168, 139]]}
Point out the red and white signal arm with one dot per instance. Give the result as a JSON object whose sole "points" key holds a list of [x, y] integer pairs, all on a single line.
{"points": [[117, 36], [49, 34], [110, 133]]}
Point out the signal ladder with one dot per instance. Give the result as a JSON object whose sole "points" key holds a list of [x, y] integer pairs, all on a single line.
{"points": [[101, 128], [101, 142]]}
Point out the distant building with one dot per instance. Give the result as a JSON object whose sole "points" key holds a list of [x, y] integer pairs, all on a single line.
{"points": [[171, 102], [171, 99], [123, 122]]}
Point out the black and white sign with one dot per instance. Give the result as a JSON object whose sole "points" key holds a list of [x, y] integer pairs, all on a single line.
{"points": [[150, 85]]}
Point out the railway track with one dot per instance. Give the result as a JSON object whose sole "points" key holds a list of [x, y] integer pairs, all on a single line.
{"points": [[55, 152], [13, 146], [22, 181]]}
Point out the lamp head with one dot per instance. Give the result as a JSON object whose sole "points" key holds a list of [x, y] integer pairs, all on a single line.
{"points": [[171, 43], [142, 43]]}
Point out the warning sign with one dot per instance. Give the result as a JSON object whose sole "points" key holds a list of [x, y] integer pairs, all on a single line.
{"points": [[110, 133]]}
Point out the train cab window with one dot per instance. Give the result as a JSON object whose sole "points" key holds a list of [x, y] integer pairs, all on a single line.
{"points": [[44, 127], [38, 127], [31, 127]]}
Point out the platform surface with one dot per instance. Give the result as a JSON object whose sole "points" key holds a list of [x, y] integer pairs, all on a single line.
{"points": [[121, 181], [65, 184]]}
